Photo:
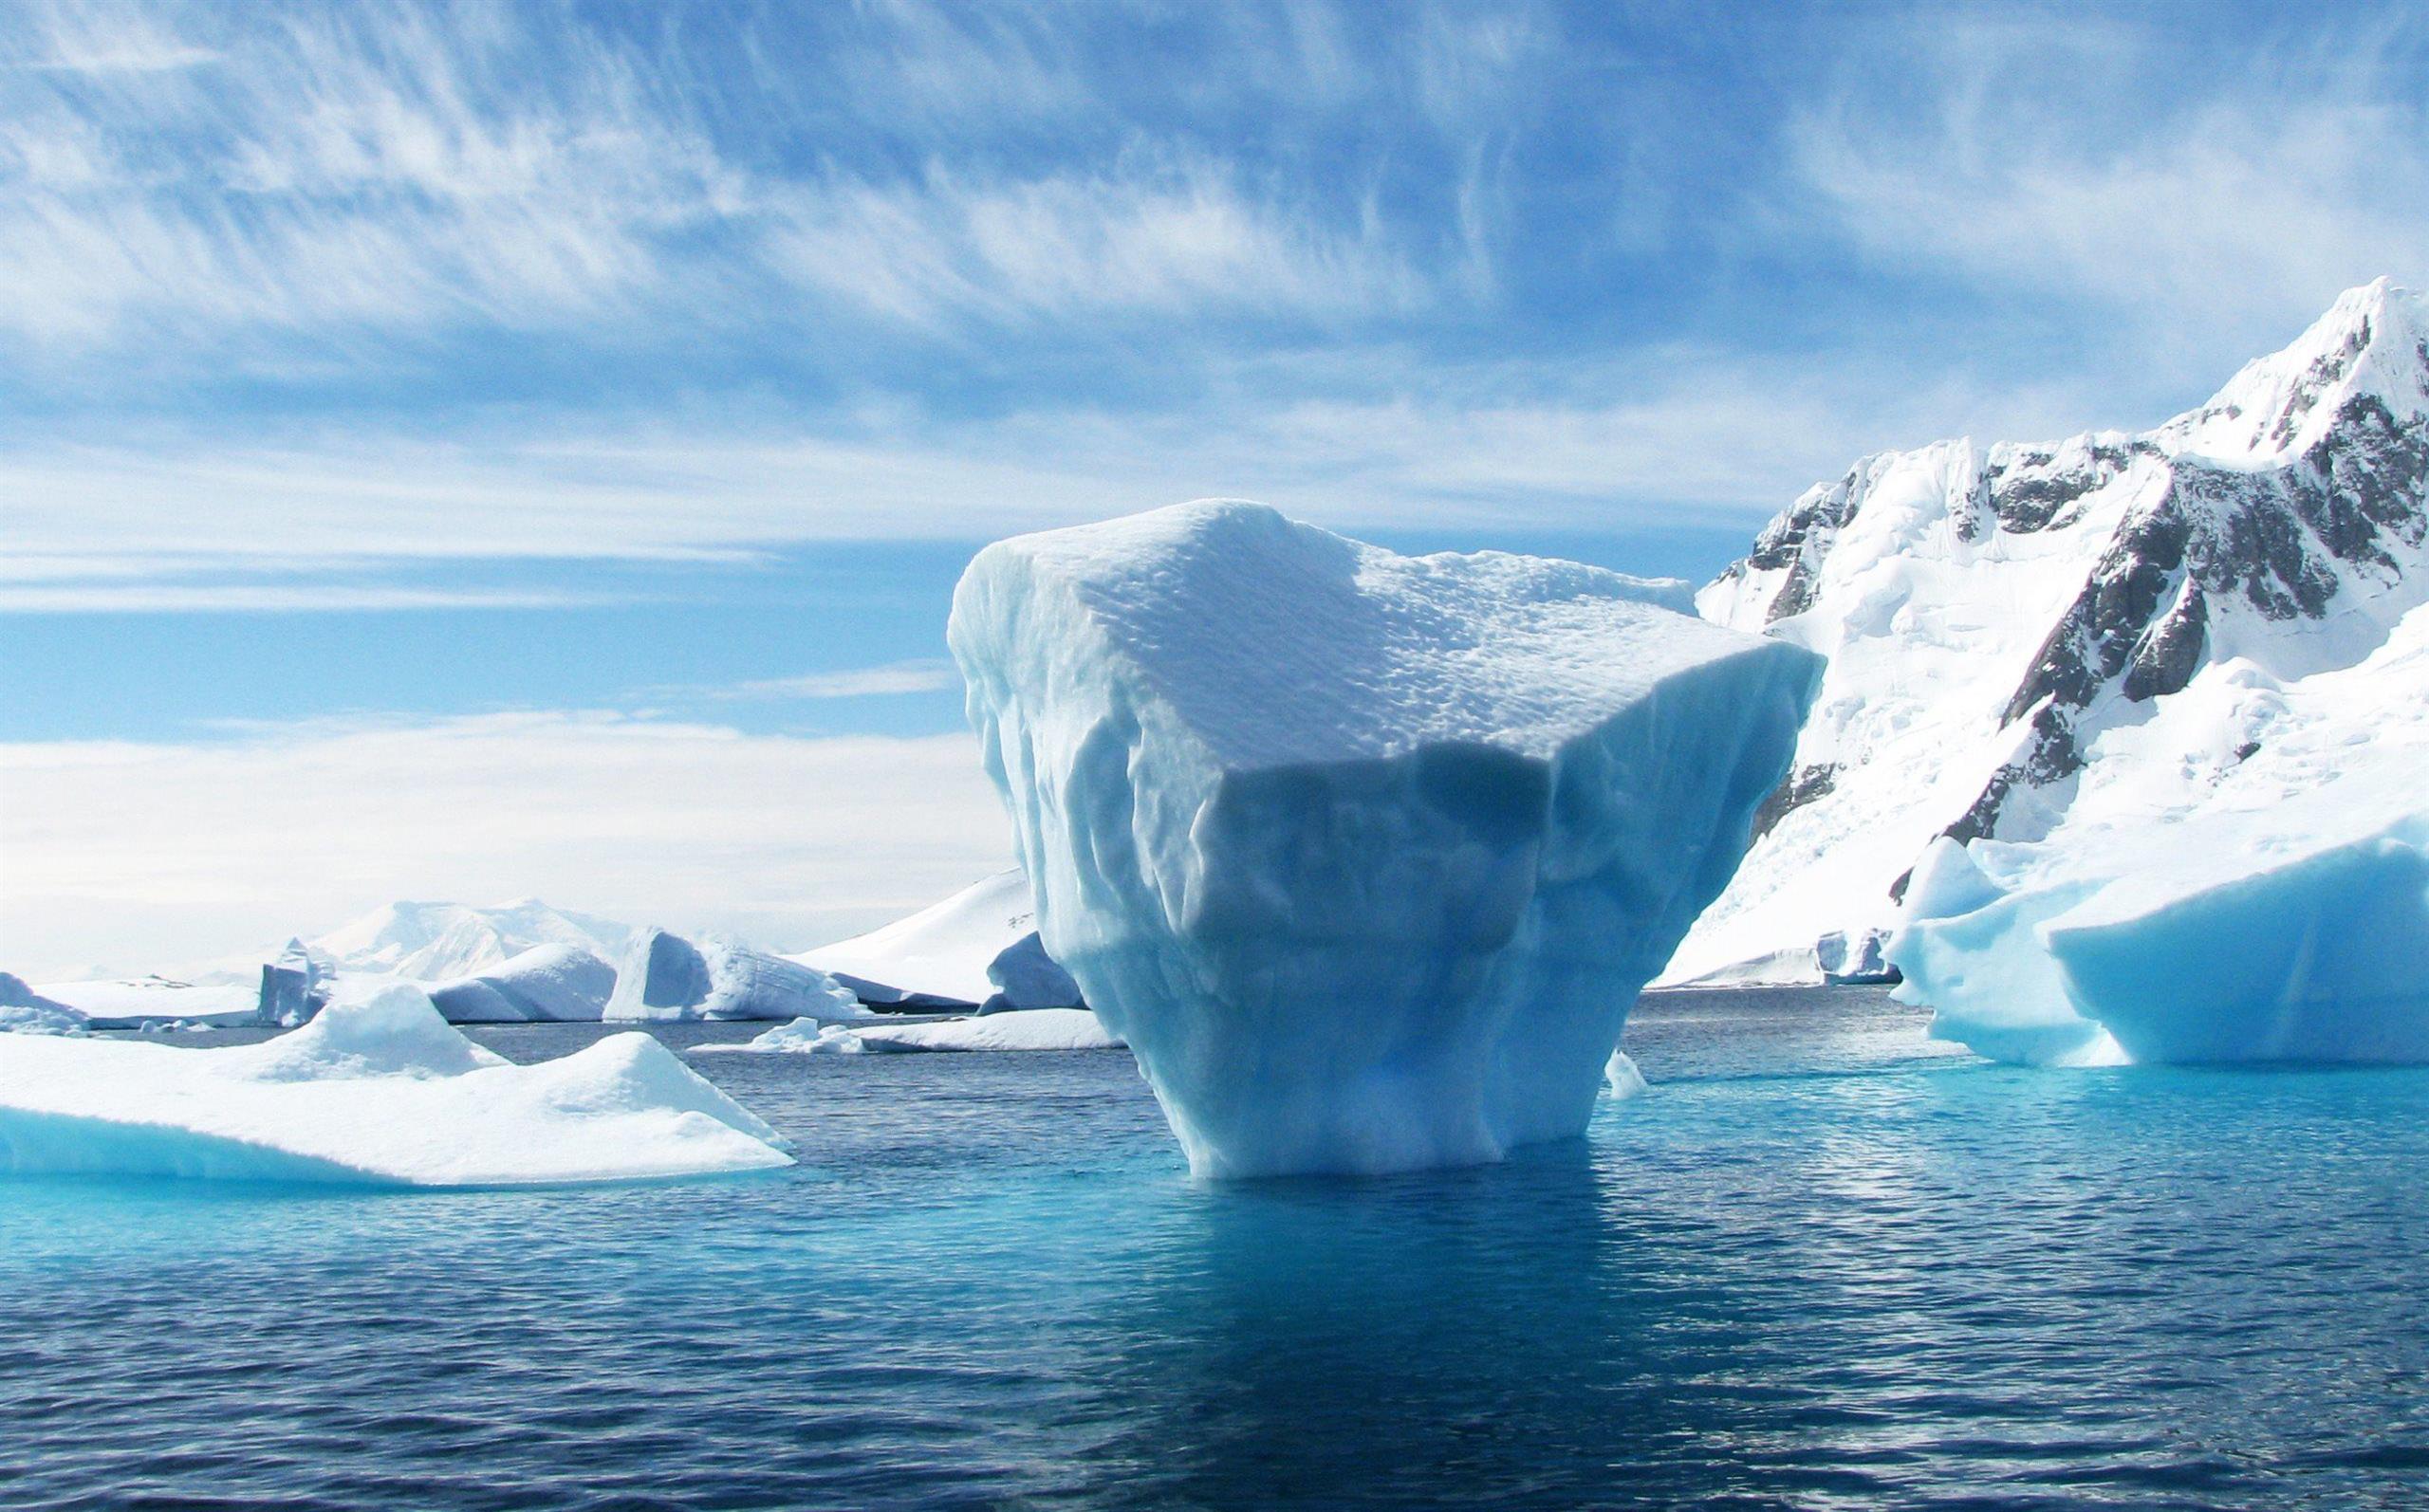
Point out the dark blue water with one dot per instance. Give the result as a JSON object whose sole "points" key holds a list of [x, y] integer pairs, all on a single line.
{"points": [[1820, 1265]]}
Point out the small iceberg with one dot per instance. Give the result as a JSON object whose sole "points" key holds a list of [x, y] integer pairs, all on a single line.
{"points": [[666, 978], [377, 1089], [1621, 1078]]}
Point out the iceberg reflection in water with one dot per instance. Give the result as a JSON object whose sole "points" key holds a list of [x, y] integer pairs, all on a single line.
{"points": [[1818, 1258]]}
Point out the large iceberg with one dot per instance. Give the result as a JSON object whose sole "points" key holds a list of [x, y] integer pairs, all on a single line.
{"points": [[665, 977], [1364, 856], [378, 1089], [977, 949]]}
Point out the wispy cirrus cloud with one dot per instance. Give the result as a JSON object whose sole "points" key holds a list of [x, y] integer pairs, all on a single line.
{"points": [[109, 596], [1685, 436], [349, 173], [2212, 203], [1167, 235], [854, 682]]}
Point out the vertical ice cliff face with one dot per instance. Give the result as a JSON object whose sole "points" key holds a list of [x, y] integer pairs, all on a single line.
{"points": [[1364, 856], [2002, 622]]}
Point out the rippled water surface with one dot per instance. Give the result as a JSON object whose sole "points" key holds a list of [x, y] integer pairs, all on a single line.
{"points": [[1820, 1263]]}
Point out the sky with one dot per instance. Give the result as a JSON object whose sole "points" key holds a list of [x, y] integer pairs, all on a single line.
{"points": [[474, 452]]}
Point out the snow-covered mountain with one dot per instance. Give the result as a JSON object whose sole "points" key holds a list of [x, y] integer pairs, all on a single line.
{"points": [[441, 941], [2022, 635]]}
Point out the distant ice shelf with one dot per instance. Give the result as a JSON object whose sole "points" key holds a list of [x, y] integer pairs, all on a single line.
{"points": [[1364, 856], [1038, 1029]]}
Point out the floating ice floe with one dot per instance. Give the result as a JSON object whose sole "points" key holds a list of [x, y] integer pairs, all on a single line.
{"points": [[977, 949], [665, 977], [1018, 1029], [1622, 1079], [1364, 856], [376, 1089], [2298, 931]]}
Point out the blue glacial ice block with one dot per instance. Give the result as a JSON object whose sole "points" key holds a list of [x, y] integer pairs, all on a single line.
{"points": [[2321, 954], [1365, 856], [2298, 932]]}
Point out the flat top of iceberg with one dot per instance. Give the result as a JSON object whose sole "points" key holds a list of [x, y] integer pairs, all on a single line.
{"points": [[378, 1089], [1331, 649]]}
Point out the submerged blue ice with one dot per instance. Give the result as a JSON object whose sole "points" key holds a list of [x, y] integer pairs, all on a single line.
{"points": [[1365, 856]]}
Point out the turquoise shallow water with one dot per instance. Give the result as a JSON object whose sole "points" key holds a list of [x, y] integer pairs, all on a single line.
{"points": [[1822, 1264]]}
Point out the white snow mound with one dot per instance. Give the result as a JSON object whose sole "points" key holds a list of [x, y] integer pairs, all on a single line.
{"points": [[377, 1089], [1364, 856], [978, 946]]}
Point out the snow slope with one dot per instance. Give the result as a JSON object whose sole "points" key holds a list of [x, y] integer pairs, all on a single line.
{"points": [[961, 952], [2017, 629], [1364, 856], [376, 1089]]}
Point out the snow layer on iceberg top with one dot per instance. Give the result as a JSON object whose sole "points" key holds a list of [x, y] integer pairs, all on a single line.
{"points": [[1278, 644], [1364, 855], [376, 1089]]}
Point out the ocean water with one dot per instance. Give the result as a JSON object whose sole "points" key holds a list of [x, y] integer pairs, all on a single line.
{"points": [[1820, 1263]]}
